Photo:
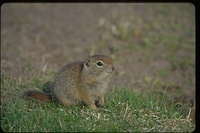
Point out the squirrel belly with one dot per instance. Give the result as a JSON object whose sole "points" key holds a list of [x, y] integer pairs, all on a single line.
{"points": [[34, 94]]}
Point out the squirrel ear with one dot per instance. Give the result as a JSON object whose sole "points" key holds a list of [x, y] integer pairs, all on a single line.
{"points": [[87, 61]]}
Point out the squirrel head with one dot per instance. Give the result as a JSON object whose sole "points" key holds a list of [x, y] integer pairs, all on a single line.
{"points": [[100, 66]]}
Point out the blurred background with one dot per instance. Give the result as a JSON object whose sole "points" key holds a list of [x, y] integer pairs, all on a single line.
{"points": [[152, 44]]}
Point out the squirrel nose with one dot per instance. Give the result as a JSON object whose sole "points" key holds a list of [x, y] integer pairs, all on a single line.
{"points": [[113, 68]]}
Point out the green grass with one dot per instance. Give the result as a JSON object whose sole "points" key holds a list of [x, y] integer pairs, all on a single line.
{"points": [[125, 111]]}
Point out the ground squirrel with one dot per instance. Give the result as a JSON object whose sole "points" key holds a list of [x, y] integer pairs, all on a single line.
{"points": [[80, 82]]}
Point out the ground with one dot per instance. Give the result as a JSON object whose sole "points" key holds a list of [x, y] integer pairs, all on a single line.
{"points": [[152, 45]]}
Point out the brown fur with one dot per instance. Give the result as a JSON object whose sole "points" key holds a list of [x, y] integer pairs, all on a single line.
{"points": [[38, 95]]}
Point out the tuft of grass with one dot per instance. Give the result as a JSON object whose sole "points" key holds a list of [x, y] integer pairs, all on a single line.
{"points": [[124, 111], [147, 43], [181, 64]]}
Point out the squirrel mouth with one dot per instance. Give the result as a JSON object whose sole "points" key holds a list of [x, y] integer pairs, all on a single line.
{"points": [[110, 71]]}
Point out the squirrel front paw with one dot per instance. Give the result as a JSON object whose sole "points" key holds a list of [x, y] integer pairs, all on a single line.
{"points": [[99, 104]]}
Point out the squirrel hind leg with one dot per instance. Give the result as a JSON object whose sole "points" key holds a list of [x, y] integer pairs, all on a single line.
{"points": [[66, 102]]}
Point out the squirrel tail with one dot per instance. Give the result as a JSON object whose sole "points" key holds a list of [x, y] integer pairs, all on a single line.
{"points": [[34, 94]]}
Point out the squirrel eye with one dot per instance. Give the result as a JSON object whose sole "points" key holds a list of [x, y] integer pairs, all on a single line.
{"points": [[99, 63]]}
